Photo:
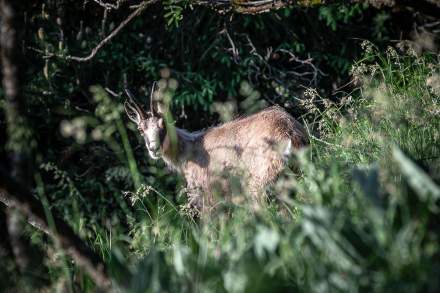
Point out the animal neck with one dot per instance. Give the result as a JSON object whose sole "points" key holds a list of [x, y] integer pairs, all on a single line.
{"points": [[177, 145]]}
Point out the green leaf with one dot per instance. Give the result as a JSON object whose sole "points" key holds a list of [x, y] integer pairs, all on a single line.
{"points": [[266, 240], [422, 184]]}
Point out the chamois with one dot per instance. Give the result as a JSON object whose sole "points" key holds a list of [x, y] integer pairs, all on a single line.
{"points": [[254, 149]]}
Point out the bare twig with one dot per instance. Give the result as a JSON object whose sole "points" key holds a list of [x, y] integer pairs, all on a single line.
{"points": [[10, 204], [325, 142], [109, 6], [222, 6], [111, 92], [233, 49], [107, 39], [307, 62], [244, 7], [23, 200], [104, 22], [300, 71]]}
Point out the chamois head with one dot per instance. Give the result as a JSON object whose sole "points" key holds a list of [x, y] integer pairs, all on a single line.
{"points": [[150, 123]]}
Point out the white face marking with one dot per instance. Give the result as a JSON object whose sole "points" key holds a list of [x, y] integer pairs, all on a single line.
{"points": [[150, 130]]}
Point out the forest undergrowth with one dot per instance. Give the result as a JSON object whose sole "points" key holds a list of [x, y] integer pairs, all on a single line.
{"points": [[359, 213], [356, 211]]}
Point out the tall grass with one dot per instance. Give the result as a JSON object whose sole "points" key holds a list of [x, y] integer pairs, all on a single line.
{"points": [[360, 214]]}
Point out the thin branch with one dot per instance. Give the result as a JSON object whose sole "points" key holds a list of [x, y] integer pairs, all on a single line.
{"points": [[244, 7], [111, 92], [10, 204], [109, 6], [104, 22], [299, 72], [233, 49], [221, 6], [107, 39], [24, 201], [325, 142]]}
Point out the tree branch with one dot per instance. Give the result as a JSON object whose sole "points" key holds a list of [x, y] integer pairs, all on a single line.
{"points": [[24, 201], [19, 150], [109, 6], [224, 6], [10, 204], [244, 7], [107, 39]]}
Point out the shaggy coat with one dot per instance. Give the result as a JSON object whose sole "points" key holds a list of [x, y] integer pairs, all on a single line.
{"points": [[245, 154]]}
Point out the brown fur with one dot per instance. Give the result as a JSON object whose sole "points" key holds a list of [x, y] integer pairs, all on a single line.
{"points": [[249, 148]]}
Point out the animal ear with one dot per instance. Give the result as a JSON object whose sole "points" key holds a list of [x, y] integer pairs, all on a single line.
{"points": [[132, 113]]}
